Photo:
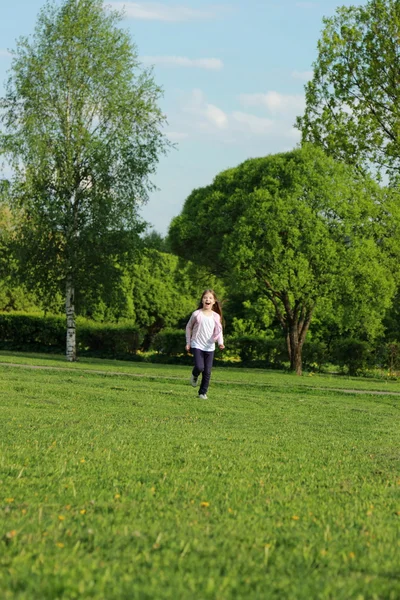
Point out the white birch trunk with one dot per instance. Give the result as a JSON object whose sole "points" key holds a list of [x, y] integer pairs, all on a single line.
{"points": [[70, 313]]}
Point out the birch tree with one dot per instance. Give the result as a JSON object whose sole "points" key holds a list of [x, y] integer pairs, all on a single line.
{"points": [[353, 100], [82, 130]]}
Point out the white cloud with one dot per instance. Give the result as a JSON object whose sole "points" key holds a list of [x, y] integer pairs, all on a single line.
{"points": [[157, 11], [206, 114], [275, 102], [198, 117], [303, 75], [216, 116], [252, 123], [4, 52], [214, 64]]}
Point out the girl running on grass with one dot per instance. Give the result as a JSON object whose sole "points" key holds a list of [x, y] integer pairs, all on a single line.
{"points": [[204, 328]]}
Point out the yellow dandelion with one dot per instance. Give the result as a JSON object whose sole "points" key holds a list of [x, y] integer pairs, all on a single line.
{"points": [[61, 518], [11, 534], [352, 555], [60, 545], [82, 460], [230, 510], [83, 511], [117, 496], [295, 518], [9, 500], [204, 504], [24, 511]]}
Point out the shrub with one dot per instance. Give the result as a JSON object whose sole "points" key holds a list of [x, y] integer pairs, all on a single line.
{"points": [[170, 342], [355, 355], [315, 354], [388, 355], [47, 334], [252, 348], [20, 331], [107, 339]]}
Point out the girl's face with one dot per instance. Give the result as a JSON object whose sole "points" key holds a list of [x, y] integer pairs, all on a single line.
{"points": [[208, 301]]}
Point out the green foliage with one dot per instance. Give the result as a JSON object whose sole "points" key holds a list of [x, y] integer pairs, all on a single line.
{"points": [[249, 314], [297, 229], [165, 291], [47, 334], [155, 241], [114, 340], [170, 341], [162, 290], [250, 348], [82, 131], [391, 356], [316, 355], [352, 101], [355, 355], [121, 484], [32, 332]]}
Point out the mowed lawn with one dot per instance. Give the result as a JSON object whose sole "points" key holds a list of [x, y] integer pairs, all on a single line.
{"points": [[116, 482]]}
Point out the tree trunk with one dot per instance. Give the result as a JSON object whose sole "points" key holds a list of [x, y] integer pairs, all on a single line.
{"points": [[294, 349], [151, 333], [296, 335], [70, 314], [296, 363]]}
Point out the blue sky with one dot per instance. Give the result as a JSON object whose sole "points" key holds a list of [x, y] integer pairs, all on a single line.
{"points": [[233, 75]]}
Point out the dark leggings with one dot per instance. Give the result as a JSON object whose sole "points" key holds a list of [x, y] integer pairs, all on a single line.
{"points": [[203, 362]]}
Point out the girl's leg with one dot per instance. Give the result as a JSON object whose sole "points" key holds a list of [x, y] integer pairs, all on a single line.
{"points": [[208, 358], [198, 362]]}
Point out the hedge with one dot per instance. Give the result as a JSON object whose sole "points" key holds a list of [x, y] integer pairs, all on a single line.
{"points": [[171, 342], [355, 355], [37, 333]]}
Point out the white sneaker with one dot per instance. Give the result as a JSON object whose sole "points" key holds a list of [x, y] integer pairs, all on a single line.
{"points": [[203, 396], [193, 380]]}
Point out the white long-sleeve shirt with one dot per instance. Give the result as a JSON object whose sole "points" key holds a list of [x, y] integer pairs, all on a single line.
{"points": [[202, 332]]}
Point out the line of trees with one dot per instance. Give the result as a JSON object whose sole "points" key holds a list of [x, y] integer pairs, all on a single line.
{"points": [[305, 241]]}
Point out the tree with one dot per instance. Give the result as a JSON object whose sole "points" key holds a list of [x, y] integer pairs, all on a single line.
{"points": [[353, 100], [12, 296], [82, 131], [296, 228], [165, 291]]}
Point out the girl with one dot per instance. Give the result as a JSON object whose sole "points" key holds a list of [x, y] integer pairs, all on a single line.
{"points": [[204, 328]]}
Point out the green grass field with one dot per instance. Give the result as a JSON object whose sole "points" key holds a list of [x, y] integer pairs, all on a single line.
{"points": [[116, 482]]}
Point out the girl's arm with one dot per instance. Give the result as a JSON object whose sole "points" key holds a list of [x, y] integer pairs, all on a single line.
{"points": [[218, 333], [189, 328]]}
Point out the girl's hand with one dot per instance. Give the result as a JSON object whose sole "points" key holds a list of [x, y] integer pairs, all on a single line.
{"points": [[221, 346], [187, 347]]}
